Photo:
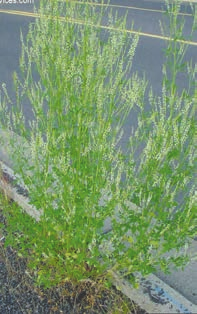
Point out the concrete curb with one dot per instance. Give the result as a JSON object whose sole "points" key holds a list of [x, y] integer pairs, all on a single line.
{"points": [[153, 294]]}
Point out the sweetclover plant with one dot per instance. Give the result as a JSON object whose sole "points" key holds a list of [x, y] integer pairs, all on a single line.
{"points": [[77, 81]]}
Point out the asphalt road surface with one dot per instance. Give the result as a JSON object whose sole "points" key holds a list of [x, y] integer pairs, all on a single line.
{"points": [[146, 15], [148, 59]]}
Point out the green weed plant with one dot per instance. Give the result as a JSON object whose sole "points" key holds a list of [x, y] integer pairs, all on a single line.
{"points": [[76, 75]]}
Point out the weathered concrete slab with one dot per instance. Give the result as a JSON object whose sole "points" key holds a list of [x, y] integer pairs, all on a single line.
{"points": [[184, 281]]}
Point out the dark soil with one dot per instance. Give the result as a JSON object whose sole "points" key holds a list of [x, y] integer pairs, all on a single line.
{"points": [[19, 295]]}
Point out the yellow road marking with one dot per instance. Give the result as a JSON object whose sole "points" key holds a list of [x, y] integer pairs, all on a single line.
{"points": [[30, 14], [127, 7], [24, 13]]}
